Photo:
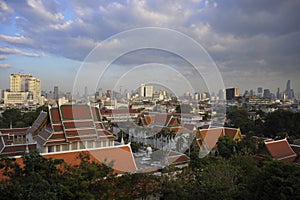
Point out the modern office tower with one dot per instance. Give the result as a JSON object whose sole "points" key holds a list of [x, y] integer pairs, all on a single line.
{"points": [[232, 93], [203, 96], [85, 95], [33, 86], [259, 91], [278, 94], [288, 91], [55, 93], [196, 96], [109, 93], [148, 91], [142, 93], [1, 94], [17, 82], [23, 87], [267, 94], [288, 85]]}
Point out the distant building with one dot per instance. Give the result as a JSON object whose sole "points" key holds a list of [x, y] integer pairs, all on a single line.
{"points": [[109, 94], [23, 88], [259, 92], [1, 94], [267, 94], [232, 93], [55, 93], [146, 91]]}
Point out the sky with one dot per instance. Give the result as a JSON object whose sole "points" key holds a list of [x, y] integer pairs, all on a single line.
{"points": [[253, 43]]}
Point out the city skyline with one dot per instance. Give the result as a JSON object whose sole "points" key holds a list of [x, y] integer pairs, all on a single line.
{"points": [[252, 45]]}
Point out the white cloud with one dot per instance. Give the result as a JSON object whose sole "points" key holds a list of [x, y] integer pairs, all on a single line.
{"points": [[39, 7], [4, 65], [16, 39], [6, 50], [2, 57]]}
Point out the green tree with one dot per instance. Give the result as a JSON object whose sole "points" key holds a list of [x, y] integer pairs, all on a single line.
{"points": [[226, 146], [184, 108], [239, 118], [276, 180]]}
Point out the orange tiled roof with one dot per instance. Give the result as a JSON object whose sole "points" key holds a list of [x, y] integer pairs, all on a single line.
{"points": [[120, 158], [210, 137], [231, 132], [281, 150]]}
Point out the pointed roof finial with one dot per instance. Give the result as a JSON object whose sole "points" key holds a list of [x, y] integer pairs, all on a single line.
{"points": [[27, 149], [122, 140]]}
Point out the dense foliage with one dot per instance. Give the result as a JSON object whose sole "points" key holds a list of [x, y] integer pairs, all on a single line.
{"points": [[237, 177], [279, 123], [18, 118]]}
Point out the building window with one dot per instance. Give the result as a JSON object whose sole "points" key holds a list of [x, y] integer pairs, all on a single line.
{"points": [[65, 147], [50, 149], [98, 144], [74, 146], [57, 147], [81, 145], [90, 144]]}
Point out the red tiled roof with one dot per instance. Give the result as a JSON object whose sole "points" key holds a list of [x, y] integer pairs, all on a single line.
{"points": [[21, 131], [210, 136], [281, 150], [71, 112], [78, 124], [120, 158], [54, 115], [231, 132], [119, 112], [96, 113], [189, 126]]}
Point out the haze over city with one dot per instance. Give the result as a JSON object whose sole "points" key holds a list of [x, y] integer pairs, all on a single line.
{"points": [[254, 44]]}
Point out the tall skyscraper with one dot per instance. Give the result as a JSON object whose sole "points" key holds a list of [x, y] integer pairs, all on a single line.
{"points": [[231, 93], [288, 91], [288, 85], [55, 93], [23, 87], [146, 91], [85, 92], [142, 94], [278, 94], [259, 91], [267, 93]]}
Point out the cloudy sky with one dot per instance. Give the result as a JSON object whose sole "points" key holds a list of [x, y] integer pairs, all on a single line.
{"points": [[254, 43]]}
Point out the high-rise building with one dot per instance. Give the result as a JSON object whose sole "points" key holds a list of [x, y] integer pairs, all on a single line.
{"points": [[1, 94], [142, 93], [109, 94], [288, 85], [23, 87], [278, 93], [259, 91], [288, 91], [146, 91], [33, 86], [55, 93], [85, 92], [232, 93], [267, 93]]}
